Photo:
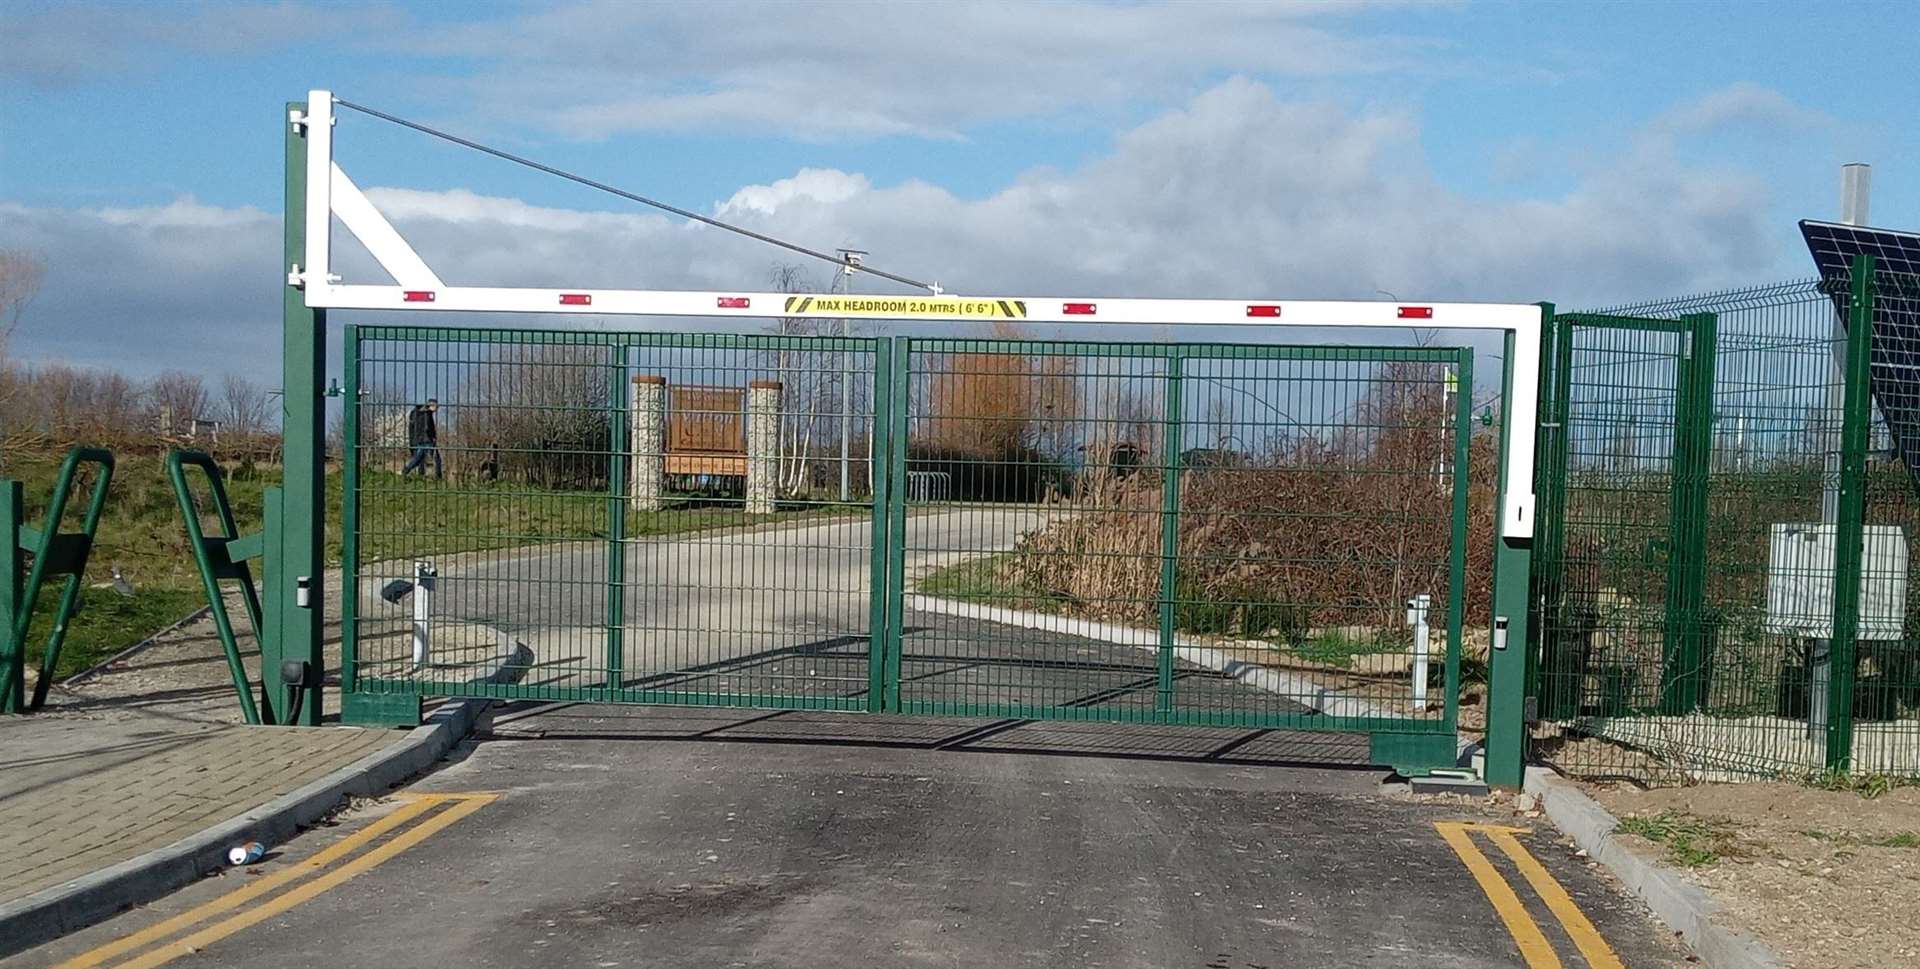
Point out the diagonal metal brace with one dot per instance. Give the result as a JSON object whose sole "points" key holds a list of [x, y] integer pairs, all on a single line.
{"points": [[218, 557], [55, 553]]}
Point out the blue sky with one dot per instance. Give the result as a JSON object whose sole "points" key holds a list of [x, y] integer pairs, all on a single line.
{"points": [[1576, 152]]}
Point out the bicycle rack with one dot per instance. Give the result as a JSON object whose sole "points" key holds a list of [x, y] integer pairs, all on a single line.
{"points": [[220, 557], [55, 553]]}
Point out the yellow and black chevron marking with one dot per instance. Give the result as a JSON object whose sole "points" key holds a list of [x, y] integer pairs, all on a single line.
{"points": [[895, 307]]}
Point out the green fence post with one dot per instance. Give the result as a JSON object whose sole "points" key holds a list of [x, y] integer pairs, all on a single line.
{"points": [[879, 496], [1512, 587], [1457, 555], [617, 459], [1169, 533], [13, 651], [1850, 536], [901, 428], [299, 547], [1553, 675], [1683, 660], [349, 515], [273, 611]]}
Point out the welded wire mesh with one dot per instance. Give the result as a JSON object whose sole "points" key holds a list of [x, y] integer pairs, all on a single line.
{"points": [[644, 517], [1181, 533], [1692, 506], [1169, 533]]}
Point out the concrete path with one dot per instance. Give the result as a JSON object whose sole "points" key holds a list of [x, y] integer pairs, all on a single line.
{"points": [[604, 837]]}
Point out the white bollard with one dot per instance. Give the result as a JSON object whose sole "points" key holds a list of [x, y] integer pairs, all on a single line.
{"points": [[1417, 608], [423, 578]]}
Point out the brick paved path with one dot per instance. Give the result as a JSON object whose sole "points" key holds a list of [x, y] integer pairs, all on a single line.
{"points": [[77, 795]]}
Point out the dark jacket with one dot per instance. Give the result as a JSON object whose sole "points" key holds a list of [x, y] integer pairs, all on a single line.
{"points": [[420, 429]]}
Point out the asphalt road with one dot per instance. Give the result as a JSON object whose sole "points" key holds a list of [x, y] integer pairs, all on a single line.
{"points": [[656, 837], [692, 602]]}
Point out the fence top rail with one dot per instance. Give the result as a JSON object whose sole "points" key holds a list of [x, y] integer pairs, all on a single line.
{"points": [[1784, 292]]}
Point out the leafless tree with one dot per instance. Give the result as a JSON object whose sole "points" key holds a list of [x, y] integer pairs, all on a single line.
{"points": [[20, 275], [178, 399], [243, 405], [800, 373]]}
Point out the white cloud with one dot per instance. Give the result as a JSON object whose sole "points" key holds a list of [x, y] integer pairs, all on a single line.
{"points": [[51, 45], [820, 71], [1237, 194], [1743, 104]]}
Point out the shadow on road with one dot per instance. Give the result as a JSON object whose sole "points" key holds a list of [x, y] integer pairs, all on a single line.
{"points": [[523, 722]]}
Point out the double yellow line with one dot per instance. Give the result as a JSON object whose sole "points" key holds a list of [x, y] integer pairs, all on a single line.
{"points": [[1520, 923], [335, 866]]}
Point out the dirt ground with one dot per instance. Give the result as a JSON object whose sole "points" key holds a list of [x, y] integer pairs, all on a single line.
{"points": [[1827, 879]]}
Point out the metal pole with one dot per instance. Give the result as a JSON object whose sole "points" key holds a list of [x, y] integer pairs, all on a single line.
{"points": [[300, 544], [423, 581], [1417, 608], [13, 651], [1855, 182], [852, 258]]}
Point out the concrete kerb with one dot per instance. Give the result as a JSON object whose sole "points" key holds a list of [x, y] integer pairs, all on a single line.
{"points": [[1291, 685], [1690, 912], [56, 911]]}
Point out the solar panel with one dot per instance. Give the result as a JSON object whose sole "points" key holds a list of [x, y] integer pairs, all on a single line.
{"points": [[1896, 318], [1834, 245]]}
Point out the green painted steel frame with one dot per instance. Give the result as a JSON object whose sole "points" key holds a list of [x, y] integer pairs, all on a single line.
{"points": [[12, 517], [1850, 540], [55, 553], [1412, 745], [395, 701], [1684, 637], [218, 557], [296, 541]]}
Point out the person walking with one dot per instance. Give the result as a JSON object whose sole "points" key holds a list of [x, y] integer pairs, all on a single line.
{"points": [[424, 437]]}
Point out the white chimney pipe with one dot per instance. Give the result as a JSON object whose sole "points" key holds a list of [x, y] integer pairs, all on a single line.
{"points": [[1856, 183]]}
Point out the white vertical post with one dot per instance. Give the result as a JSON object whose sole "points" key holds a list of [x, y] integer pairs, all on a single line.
{"points": [[423, 579], [1417, 609], [646, 485], [763, 424]]}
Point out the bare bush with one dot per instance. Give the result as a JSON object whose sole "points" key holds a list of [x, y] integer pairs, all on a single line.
{"points": [[541, 416], [1308, 530]]}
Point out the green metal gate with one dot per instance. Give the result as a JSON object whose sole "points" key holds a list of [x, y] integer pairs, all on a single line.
{"points": [[1625, 445], [1196, 534]]}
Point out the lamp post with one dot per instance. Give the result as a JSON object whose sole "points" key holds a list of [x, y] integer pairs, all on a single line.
{"points": [[850, 260]]}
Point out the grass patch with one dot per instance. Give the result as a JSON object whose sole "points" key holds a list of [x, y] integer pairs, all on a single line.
{"points": [[985, 580], [1690, 841], [1868, 786], [1335, 648], [141, 533], [1905, 839]]}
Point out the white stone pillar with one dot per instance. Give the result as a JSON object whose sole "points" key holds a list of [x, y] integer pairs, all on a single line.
{"points": [[647, 439], [763, 445]]}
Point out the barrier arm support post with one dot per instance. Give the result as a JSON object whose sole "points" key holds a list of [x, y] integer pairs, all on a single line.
{"points": [[298, 545], [1512, 583]]}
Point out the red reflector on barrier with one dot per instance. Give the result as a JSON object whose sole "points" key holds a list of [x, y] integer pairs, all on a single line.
{"points": [[1416, 312], [418, 296], [1077, 309], [1263, 309], [576, 299], [734, 302]]}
